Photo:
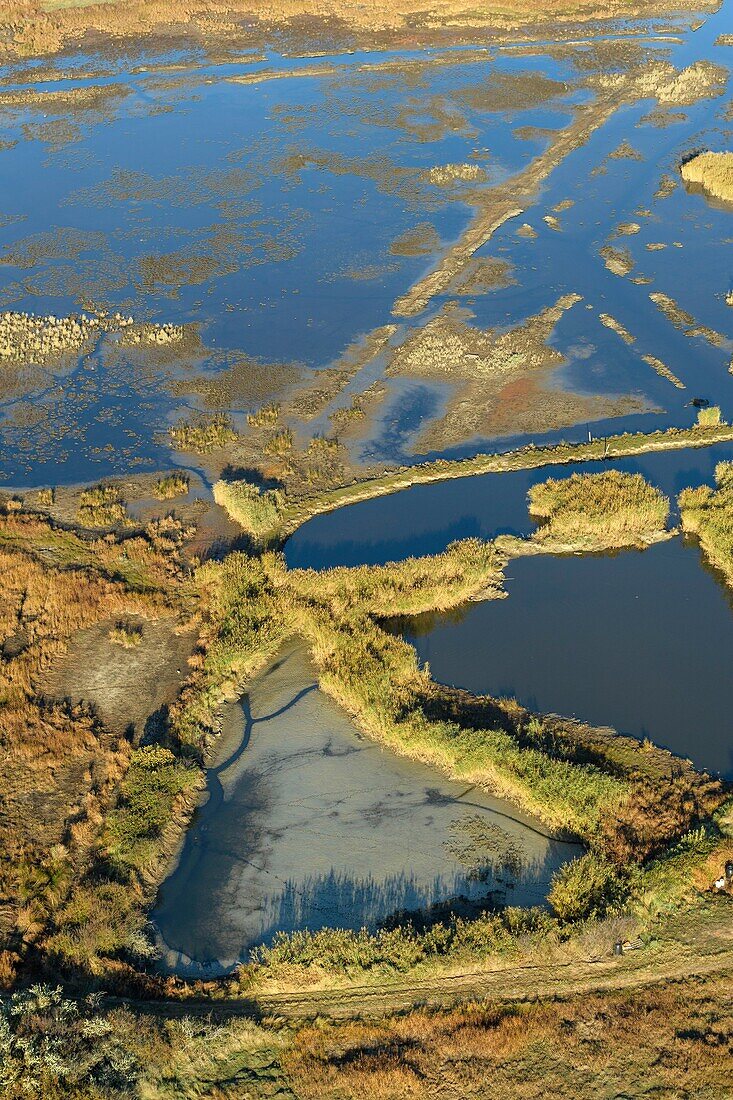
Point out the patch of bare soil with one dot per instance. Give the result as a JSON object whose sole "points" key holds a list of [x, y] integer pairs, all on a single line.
{"points": [[127, 687]]}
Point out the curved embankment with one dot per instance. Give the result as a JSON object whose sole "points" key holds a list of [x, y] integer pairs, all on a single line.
{"points": [[702, 944], [271, 519]]}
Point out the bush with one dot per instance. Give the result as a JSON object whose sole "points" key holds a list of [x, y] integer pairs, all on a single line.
{"points": [[256, 511], [710, 417], [154, 782], [588, 887], [172, 485]]}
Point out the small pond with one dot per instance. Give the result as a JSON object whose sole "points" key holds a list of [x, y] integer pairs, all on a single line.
{"points": [[308, 825]]}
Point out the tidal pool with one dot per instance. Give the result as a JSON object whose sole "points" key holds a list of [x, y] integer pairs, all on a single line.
{"points": [[308, 824], [640, 641]]}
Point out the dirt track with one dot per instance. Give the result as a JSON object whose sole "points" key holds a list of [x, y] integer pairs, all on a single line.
{"points": [[702, 944]]}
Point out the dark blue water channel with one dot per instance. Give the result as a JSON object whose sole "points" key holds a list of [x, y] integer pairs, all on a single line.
{"points": [[426, 518]]}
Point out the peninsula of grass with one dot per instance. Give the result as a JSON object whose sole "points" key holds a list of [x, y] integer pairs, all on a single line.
{"points": [[599, 511], [708, 514], [713, 172], [287, 514]]}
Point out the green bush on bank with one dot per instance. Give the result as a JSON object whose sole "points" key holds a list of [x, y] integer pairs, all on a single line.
{"points": [[257, 511], [155, 781], [708, 513]]}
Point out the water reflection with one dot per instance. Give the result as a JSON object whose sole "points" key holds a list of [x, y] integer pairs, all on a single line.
{"points": [[308, 825]]}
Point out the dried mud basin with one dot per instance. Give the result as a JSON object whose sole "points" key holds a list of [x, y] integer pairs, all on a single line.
{"points": [[129, 688], [308, 825]]}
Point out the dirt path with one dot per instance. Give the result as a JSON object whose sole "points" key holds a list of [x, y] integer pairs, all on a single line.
{"points": [[701, 944], [499, 204]]}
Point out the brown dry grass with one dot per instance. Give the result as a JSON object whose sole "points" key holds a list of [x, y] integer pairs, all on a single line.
{"points": [[43, 27], [59, 766], [671, 1041]]}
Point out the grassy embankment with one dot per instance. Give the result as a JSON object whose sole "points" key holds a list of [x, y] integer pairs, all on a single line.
{"points": [[271, 517]]}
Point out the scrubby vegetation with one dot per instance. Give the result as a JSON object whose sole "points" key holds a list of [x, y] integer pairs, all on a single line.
{"points": [[711, 171], [58, 757], [102, 506], [609, 509], [708, 513], [204, 435], [172, 485], [669, 1040]]}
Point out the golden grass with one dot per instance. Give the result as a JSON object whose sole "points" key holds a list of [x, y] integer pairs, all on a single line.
{"points": [[595, 511], [42, 27], [708, 513], [667, 1040], [711, 171]]}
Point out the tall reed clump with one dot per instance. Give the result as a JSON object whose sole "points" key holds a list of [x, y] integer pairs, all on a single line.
{"points": [[171, 485], [258, 511], [609, 509], [711, 171], [708, 513]]}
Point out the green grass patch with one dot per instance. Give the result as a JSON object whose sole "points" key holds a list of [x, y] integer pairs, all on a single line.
{"points": [[708, 513]]}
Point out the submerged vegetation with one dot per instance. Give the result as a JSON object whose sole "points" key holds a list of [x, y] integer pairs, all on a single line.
{"points": [[595, 511]]}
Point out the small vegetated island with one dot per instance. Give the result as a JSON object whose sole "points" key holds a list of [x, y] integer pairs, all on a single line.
{"points": [[137, 611], [712, 172]]}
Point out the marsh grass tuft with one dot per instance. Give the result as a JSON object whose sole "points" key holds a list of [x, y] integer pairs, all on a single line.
{"points": [[171, 485], [711, 171], [127, 635], [204, 435], [101, 506], [608, 509]]}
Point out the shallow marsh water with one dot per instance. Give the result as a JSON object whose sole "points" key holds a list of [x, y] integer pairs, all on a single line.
{"points": [[311, 825], [266, 214]]}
